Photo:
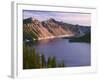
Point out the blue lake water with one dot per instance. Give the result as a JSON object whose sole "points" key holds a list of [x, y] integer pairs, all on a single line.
{"points": [[73, 53]]}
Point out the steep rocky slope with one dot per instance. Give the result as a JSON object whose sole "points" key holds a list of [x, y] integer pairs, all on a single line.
{"points": [[34, 29]]}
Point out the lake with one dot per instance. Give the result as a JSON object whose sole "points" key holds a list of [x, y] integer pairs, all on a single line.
{"points": [[74, 54]]}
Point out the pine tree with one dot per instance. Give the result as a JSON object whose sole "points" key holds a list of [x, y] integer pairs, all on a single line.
{"points": [[38, 61], [43, 61], [49, 65], [61, 64], [26, 60], [53, 62], [33, 57], [30, 58]]}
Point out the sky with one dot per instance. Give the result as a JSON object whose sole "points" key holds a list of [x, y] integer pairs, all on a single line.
{"points": [[68, 17]]}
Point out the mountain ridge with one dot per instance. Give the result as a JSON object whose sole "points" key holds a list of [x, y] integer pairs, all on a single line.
{"points": [[50, 28]]}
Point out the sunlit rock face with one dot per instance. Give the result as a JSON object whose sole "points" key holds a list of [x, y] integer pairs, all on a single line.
{"points": [[33, 28]]}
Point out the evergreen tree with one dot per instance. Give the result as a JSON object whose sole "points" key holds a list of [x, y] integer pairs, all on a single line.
{"points": [[33, 58], [38, 61], [53, 61], [49, 63], [25, 57], [43, 61], [30, 58], [61, 64]]}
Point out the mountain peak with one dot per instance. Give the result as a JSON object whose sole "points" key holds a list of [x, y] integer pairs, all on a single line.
{"points": [[51, 19], [28, 20], [33, 19]]}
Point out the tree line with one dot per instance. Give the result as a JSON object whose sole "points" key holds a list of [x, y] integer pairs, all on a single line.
{"points": [[34, 60]]}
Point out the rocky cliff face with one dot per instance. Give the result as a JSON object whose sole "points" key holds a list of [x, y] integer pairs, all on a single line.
{"points": [[34, 29], [55, 29]]}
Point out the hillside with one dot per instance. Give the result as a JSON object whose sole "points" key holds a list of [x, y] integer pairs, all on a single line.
{"points": [[34, 29], [85, 38]]}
